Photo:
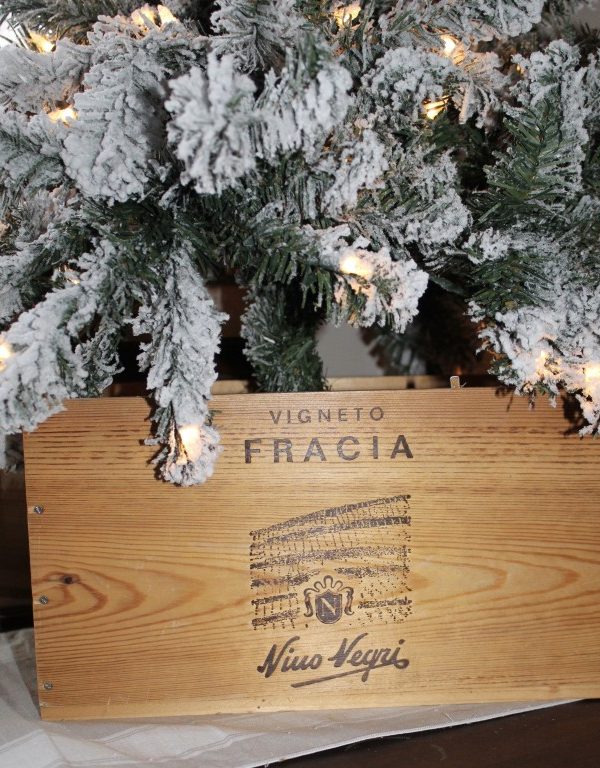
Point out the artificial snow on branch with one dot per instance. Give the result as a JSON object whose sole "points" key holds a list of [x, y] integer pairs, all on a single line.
{"points": [[112, 150], [393, 165], [371, 288], [537, 302], [212, 113], [184, 326], [222, 132]]}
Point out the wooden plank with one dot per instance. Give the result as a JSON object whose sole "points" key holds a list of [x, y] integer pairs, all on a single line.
{"points": [[463, 526], [342, 384]]}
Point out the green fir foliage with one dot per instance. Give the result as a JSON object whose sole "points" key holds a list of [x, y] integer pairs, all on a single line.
{"points": [[426, 171]]}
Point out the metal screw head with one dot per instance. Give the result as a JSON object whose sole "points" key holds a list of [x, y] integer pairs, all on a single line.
{"points": [[44, 600], [38, 509], [48, 686]]}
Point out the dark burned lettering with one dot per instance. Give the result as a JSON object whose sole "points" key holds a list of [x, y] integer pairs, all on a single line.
{"points": [[282, 447], [370, 659], [249, 450], [314, 449], [284, 659], [375, 447], [352, 657], [346, 448], [342, 445], [401, 447], [319, 415], [304, 416], [325, 447]]}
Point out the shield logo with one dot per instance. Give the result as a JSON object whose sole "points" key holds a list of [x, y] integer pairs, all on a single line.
{"points": [[331, 600], [328, 607]]}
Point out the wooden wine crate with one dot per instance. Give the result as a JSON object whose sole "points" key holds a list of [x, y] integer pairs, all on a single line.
{"points": [[353, 549]]}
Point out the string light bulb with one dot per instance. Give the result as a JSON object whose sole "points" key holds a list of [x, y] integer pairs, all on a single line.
{"points": [[352, 264], [70, 276], [144, 17], [540, 364], [452, 49], [345, 15], [165, 15], [434, 108], [191, 438], [42, 43], [547, 366], [6, 352], [592, 373], [66, 115], [450, 44]]}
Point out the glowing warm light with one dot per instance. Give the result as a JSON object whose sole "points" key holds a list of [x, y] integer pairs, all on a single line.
{"points": [[592, 373], [450, 44], [5, 350], [453, 49], [191, 437], [144, 17], [345, 15], [5, 353], [41, 43], [165, 15], [352, 264], [66, 115], [547, 366], [540, 364], [70, 276], [434, 108]]}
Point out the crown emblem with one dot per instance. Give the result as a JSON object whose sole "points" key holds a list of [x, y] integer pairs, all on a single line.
{"points": [[327, 600]]}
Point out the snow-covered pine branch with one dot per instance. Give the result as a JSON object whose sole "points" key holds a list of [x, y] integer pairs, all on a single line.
{"points": [[31, 79], [537, 300], [39, 241], [29, 152], [256, 32], [114, 149], [184, 326], [48, 361], [471, 20], [371, 288], [329, 156], [221, 133]]}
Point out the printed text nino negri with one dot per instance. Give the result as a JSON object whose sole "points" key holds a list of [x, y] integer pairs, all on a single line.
{"points": [[326, 447]]}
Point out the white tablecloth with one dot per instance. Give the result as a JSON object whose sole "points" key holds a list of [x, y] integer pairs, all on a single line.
{"points": [[220, 741]]}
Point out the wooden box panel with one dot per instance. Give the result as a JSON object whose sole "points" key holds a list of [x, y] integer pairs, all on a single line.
{"points": [[353, 549]]}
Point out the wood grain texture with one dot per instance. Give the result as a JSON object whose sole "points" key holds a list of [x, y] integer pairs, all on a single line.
{"points": [[476, 562], [342, 384]]}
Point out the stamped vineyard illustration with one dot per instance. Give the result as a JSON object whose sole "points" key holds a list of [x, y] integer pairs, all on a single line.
{"points": [[346, 565]]}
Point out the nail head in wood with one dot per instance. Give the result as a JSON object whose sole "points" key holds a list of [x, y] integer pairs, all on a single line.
{"points": [[44, 600], [38, 509], [48, 686]]}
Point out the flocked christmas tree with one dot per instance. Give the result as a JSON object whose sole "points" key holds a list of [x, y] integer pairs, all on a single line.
{"points": [[341, 161]]}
